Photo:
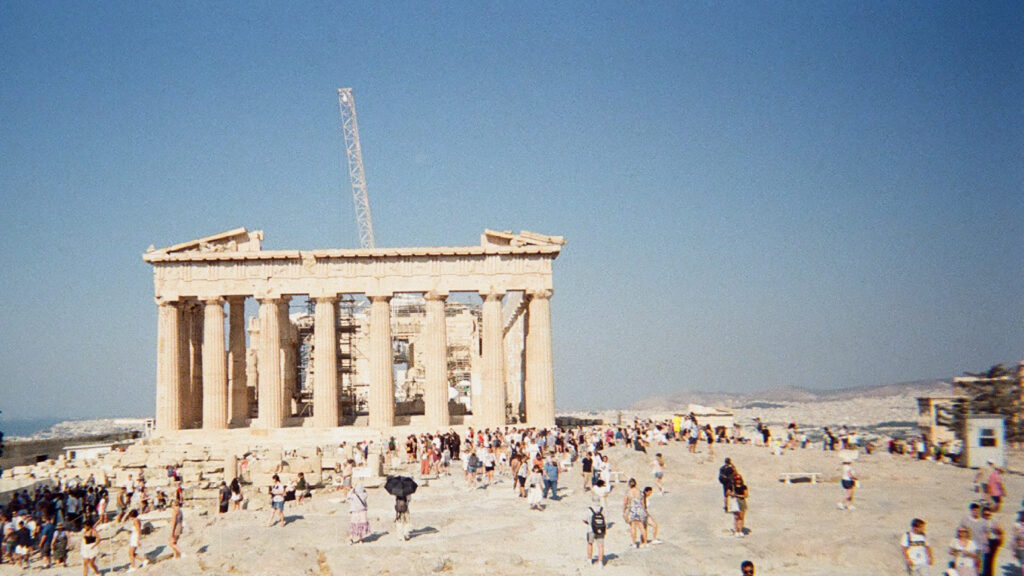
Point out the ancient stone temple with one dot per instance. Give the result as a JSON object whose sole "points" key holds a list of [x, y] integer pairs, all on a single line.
{"points": [[211, 376]]}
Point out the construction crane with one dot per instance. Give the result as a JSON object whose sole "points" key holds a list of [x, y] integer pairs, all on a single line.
{"points": [[350, 127]]}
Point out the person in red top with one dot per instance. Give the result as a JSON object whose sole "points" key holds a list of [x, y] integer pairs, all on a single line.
{"points": [[995, 488]]}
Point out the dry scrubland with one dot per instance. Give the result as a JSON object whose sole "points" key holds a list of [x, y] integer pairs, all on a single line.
{"points": [[795, 529]]}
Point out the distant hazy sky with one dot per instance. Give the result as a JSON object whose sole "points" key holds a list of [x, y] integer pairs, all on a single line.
{"points": [[756, 194]]}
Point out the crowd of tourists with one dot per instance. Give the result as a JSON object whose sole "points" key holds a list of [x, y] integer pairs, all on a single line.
{"points": [[40, 525]]}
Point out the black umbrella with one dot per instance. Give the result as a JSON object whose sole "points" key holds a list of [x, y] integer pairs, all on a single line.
{"points": [[400, 486]]}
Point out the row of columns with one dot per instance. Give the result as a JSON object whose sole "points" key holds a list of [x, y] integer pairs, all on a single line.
{"points": [[197, 379]]}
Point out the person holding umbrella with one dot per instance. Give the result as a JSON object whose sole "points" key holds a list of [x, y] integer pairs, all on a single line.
{"points": [[401, 487]]}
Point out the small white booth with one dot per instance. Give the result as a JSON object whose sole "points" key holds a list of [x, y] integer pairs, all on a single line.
{"points": [[984, 440]]}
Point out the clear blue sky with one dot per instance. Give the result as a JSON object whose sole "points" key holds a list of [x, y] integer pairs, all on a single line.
{"points": [[754, 194]]}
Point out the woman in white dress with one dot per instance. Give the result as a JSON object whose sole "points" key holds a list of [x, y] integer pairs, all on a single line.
{"points": [[534, 483]]}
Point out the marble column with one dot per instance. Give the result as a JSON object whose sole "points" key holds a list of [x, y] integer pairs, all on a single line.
{"points": [[237, 380], [325, 364], [540, 375], [382, 376], [168, 367], [271, 388], [185, 361], [435, 395], [492, 394], [196, 367], [289, 355], [215, 369]]}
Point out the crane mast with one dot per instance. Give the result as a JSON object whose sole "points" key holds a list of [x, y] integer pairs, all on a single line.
{"points": [[356, 174]]}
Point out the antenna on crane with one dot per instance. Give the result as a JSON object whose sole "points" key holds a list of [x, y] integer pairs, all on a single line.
{"points": [[350, 127]]}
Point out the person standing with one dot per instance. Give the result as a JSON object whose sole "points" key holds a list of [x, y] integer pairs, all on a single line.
{"points": [[177, 527], [358, 522], [595, 535], [650, 526], [223, 498], [236, 494], [587, 470], [551, 478], [60, 545], [533, 487], [739, 494], [917, 553], [633, 512], [849, 482], [995, 488], [46, 539], [725, 476]]}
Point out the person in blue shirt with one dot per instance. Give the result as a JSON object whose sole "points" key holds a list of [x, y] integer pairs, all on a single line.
{"points": [[551, 478]]}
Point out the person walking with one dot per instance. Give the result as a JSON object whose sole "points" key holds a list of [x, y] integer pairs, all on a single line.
{"points": [[917, 553], [849, 482], [402, 524], [358, 522], [595, 535], [658, 469], [134, 538], [277, 492], [534, 491], [649, 523], [90, 548], [965, 553], [551, 478], [993, 536]]}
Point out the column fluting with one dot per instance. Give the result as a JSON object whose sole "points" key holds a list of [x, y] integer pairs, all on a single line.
{"points": [[540, 376], [382, 377], [325, 364], [215, 372], [168, 366], [492, 399], [436, 362]]}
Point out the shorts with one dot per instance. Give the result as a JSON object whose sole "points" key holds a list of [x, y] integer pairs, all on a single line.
{"points": [[346, 481], [592, 538], [848, 484], [693, 439], [278, 505], [21, 550], [488, 468], [725, 489]]}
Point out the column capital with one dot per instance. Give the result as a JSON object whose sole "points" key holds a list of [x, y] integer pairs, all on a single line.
{"points": [[165, 302], [544, 294], [213, 300], [263, 300], [380, 297], [435, 295], [491, 294], [326, 299]]}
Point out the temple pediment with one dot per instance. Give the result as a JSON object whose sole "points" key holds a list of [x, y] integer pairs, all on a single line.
{"points": [[524, 238], [236, 240]]}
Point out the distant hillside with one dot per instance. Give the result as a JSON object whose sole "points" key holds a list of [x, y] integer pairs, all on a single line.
{"points": [[794, 394]]}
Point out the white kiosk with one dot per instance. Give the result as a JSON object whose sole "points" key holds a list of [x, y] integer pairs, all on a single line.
{"points": [[984, 440]]}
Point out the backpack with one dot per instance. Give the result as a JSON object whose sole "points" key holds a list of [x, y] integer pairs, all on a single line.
{"points": [[474, 462], [597, 524]]}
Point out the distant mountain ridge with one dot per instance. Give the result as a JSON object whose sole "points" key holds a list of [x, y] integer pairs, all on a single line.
{"points": [[795, 394]]}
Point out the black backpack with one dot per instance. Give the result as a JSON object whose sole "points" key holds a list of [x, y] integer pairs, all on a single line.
{"points": [[597, 525]]}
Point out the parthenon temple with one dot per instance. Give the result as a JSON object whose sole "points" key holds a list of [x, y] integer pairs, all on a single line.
{"points": [[379, 337]]}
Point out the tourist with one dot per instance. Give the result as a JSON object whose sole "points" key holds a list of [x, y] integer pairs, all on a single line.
{"points": [[347, 469], [649, 523], [981, 478], [587, 470], [60, 546], [993, 535], [134, 537], [551, 478], [177, 526], [849, 482], [46, 539], [223, 498], [1018, 541], [23, 545], [995, 489], [964, 552], [301, 489], [358, 522], [917, 554], [402, 524], [725, 476], [658, 469], [534, 483], [277, 493], [747, 568], [739, 494], [236, 494], [634, 514], [600, 491], [595, 535], [977, 526], [90, 548]]}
